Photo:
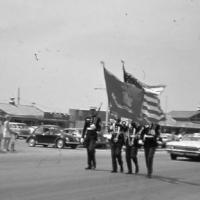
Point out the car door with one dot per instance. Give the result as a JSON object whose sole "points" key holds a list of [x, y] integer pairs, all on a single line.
{"points": [[39, 134], [47, 136], [51, 136]]}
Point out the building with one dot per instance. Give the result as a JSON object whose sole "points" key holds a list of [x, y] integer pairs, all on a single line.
{"points": [[21, 113], [32, 115], [182, 121], [186, 116]]}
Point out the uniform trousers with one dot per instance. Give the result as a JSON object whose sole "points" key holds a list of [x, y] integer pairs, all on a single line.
{"points": [[116, 156], [131, 155], [149, 156], [90, 145]]}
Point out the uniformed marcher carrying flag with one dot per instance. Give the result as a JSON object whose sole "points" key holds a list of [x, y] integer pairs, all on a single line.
{"points": [[150, 137], [91, 127], [132, 137], [116, 143]]}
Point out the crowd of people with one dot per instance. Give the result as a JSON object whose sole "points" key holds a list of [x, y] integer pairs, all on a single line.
{"points": [[7, 136], [123, 133]]}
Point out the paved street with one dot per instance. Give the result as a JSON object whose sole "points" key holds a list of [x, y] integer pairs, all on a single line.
{"points": [[50, 174]]}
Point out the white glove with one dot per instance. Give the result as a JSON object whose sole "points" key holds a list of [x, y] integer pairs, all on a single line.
{"points": [[82, 140]]}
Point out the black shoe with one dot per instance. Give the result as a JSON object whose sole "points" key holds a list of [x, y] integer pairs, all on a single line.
{"points": [[114, 171], [137, 170], [149, 175], [121, 169], [88, 168], [128, 172]]}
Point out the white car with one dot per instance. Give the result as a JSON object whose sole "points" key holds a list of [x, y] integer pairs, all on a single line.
{"points": [[188, 147], [20, 129]]}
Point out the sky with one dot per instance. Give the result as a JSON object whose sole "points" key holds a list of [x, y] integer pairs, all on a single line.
{"points": [[52, 50]]}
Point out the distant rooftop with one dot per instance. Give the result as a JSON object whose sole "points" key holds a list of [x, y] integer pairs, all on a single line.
{"points": [[21, 110], [183, 114]]}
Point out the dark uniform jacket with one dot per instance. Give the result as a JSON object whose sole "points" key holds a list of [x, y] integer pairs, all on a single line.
{"points": [[91, 132], [117, 141], [150, 137]]}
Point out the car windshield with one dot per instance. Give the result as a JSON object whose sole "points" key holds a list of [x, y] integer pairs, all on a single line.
{"points": [[191, 138], [20, 126]]}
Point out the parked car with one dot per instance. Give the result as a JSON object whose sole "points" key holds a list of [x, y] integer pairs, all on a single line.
{"points": [[165, 137], [32, 128], [102, 142], [188, 147], [20, 129], [76, 132], [52, 135]]}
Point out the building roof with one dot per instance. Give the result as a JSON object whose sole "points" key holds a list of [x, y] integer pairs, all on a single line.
{"points": [[21, 110], [183, 114], [180, 124]]}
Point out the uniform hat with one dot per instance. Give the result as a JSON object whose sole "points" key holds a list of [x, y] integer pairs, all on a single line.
{"points": [[93, 108]]}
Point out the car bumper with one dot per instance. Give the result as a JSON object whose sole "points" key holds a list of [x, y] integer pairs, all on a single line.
{"points": [[72, 143], [184, 153], [24, 136]]}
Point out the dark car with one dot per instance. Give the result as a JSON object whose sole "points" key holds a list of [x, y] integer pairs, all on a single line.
{"points": [[52, 135]]}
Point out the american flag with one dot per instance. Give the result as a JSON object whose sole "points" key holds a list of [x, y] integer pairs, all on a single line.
{"points": [[151, 109]]}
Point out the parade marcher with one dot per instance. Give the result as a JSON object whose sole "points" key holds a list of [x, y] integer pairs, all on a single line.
{"points": [[90, 134], [116, 143], [150, 136], [132, 145]]}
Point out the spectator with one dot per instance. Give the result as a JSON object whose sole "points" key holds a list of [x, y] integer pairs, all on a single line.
{"points": [[6, 134], [1, 134]]}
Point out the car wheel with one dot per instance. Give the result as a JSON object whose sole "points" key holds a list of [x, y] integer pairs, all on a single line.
{"points": [[73, 146], [173, 157], [60, 144], [31, 142], [45, 145]]}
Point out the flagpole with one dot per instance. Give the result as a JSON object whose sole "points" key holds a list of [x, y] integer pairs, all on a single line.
{"points": [[107, 107], [122, 61]]}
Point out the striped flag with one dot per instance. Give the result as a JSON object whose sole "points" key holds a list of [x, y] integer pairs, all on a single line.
{"points": [[125, 100], [151, 109]]}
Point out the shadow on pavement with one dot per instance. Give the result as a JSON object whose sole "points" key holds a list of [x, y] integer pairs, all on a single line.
{"points": [[174, 180]]}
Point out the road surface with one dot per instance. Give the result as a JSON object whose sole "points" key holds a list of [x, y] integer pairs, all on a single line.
{"points": [[38, 173]]}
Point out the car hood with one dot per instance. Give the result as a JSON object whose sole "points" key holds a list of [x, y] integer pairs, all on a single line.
{"points": [[185, 143]]}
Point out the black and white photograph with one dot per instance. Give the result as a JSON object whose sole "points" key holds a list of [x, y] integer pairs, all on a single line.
{"points": [[99, 100]]}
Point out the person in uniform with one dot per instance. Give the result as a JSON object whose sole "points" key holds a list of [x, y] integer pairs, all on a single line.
{"points": [[150, 136], [132, 145], [116, 143], [89, 135]]}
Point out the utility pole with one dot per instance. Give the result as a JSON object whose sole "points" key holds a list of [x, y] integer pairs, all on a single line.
{"points": [[18, 96]]}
